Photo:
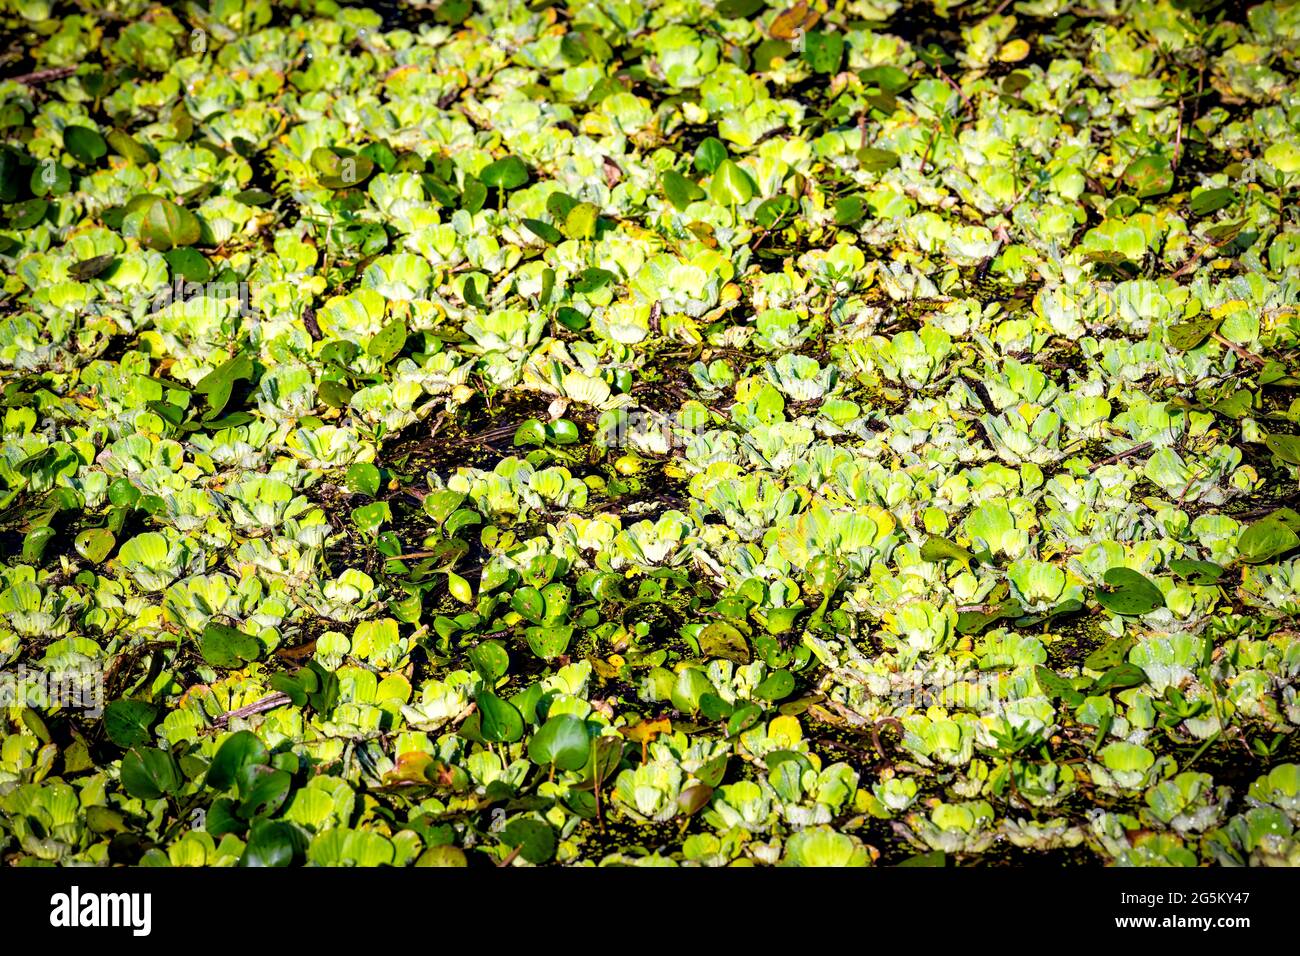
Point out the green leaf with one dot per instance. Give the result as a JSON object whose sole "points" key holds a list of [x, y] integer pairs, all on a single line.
{"points": [[127, 722], [1056, 686], [189, 264], [35, 542], [769, 50], [776, 686], [149, 773], [709, 155], [490, 659], [241, 749], [823, 51], [714, 708], [226, 647], [530, 432], [681, 192], [722, 640], [453, 12], [388, 341], [50, 178], [167, 225], [85, 144], [563, 742], [89, 268], [777, 211], [444, 855], [877, 160], [1119, 677], [1188, 335], [334, 393], [1110, 654], [263, 790], [535, 839], [571, 319], [254, 197], [973, 622], [528, 602], [1149, 176], [363, 479], [712, 773], [550, 642], [95, 544], [499, 720], [129, 148], [744, 718], [1196, 572], [731, 185], [1132, 593], [691, 684], [1265, 540], [459, 588], [275, 843], [338, 169], [849, 210], [739, 9], [1286, 447], [581, 221], [473, 195], [26, 214], [507, 173], [218, 384], [1207, 201], [559, 205], [891, 79], [936, 548], [593, 280], [935, 858], [606, 754], [543, 231]]}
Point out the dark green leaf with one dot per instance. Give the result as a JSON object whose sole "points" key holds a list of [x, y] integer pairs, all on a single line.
{"points": [[1056, 686], [149, 773], [241, 749], [823, 51], [167, 225], [681, 192], [388, 341], [535, 838], [1119, 677], [227, 647], [1130, 593], [85, 144], [499, 720], [563, 741], [127, 722], [507, 173]]}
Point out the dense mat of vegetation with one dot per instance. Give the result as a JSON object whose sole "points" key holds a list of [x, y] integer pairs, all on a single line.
{"points": [[572, 432]]}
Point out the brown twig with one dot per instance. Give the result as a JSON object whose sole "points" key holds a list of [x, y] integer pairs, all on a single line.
{"points": [[1239, 350], [510, 857], [1178, 136], [258, 706], [413, 555], [970, 107], [1120, 456], [43, 76], [929, 147]]}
